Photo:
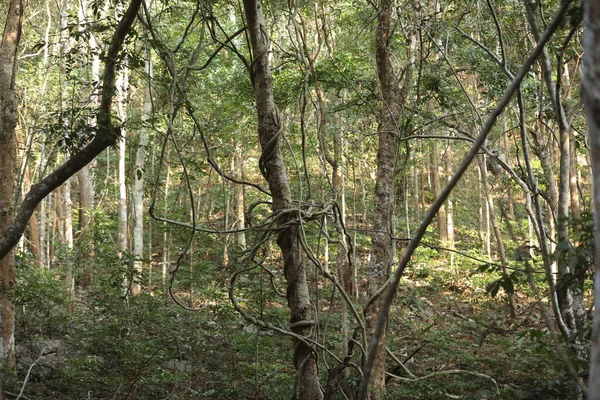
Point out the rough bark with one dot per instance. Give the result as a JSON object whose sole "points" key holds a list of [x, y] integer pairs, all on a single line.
{"points": [[387, 154], [273, 168], [8, 152]]}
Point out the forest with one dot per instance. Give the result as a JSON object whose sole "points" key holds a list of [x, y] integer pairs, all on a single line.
{"points": [[245, 199]]}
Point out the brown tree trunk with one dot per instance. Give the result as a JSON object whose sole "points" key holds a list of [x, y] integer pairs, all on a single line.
{"points": [[442, 219], [273, 168], [387, 154], [8, 122]]}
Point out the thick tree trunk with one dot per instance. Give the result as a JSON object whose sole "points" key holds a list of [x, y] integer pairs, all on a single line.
{"points": [[387, 154], [8, 122], [273, 168]]}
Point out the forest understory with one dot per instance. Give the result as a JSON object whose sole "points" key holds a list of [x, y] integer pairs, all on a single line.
{"points": [[455, 340], [308, 200]]}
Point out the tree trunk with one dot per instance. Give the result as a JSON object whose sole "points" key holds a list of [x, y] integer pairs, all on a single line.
{"points": [[84, 237], [138, 191], [442, 219], [8, 151], [496, 229], [273, 169], [84, 176], [122, 87], [66, 207], [238, 194], [387, 154]]}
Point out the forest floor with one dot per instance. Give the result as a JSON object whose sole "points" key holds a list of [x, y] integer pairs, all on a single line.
{"points": [[456, 341]]}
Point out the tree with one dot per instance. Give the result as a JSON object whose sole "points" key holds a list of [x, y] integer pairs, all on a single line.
{"points": [[394, 94], [12, 228], [8, 122], [273, 169]]}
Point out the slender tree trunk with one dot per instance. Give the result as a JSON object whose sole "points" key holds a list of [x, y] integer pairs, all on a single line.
{"points": [[573, 188], [273, 168], [238, 194], [8, 151], [450, 212], [84, 176], [496, 229], [442, 219], [122, 87], [166, 257], [138, 191], [66, 206]]}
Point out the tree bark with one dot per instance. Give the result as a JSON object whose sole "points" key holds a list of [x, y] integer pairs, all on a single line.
{"points": [[273, 169], [8, 152], [387, 154]]}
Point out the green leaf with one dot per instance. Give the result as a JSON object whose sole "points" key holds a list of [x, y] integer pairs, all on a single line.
{"points": [[507, 285], [492, 288]]}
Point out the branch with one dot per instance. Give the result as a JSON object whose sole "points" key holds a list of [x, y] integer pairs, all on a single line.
{"points": [[485, 130], [106, 136]]}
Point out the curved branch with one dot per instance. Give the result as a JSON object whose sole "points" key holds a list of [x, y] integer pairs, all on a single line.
{"points": [[485, 130], [106, 136]]}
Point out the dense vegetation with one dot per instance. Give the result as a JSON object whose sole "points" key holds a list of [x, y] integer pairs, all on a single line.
{"points": [[260, 178]]}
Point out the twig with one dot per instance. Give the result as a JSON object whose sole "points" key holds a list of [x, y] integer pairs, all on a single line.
{"points": [[42, 354], [447, 372]]}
